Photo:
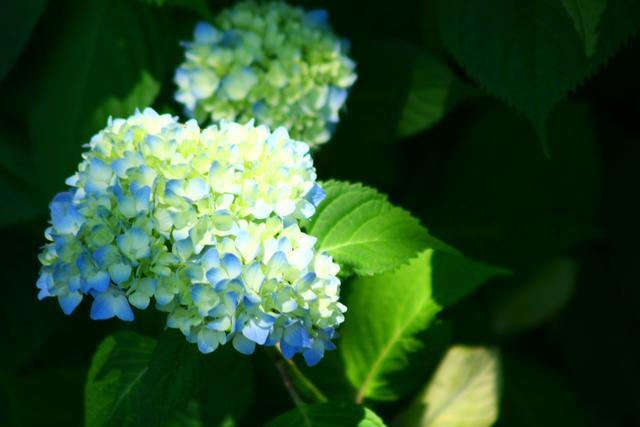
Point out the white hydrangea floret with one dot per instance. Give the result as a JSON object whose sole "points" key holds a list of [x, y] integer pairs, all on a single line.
{"points": [[270, 61], [203, 222]]}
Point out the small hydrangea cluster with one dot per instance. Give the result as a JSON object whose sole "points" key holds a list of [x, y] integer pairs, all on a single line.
{"points": [[206, 224], [269, 61]]}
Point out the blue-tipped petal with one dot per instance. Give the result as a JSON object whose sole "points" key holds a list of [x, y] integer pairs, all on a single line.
{"points": [[297, 336], [119, 272], [111, 304], [44, 283], [98, 282], [253, 277], [222, 324], [207, 341], [215, 276], [318, 16], [69, 302], [288, 351], [210, 259], [315, 195], [314, 354], [278, 262], [255, 333], [64, 216], [206, 33], [232, 265], [243, 345]]}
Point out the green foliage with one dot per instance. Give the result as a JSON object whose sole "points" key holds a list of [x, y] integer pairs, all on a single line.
{"points": [[137, 380], [103, 51], [17, 20], [397, 313], [456, 164], [22, 200], [586, 15], [503, 200], [529, 53], [328, 415], [464, 391], [434, 90], [364, 232], [537, 298]]}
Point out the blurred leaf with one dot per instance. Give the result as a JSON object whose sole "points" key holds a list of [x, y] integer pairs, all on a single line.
{"points": [[586, 16], [433, 91], [142, 95], [384, 341], [534, 396], [328, 415], [401, 91], [198, 6], [188, 417], [504, 202], [102, 51], [20, 199], [464, 391], [537, 299], [364, 232], [455, 276], [17, 19], [529, 53]]}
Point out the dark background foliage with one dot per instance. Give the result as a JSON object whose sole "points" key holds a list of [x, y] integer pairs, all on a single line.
{"points": [[449, 117]]}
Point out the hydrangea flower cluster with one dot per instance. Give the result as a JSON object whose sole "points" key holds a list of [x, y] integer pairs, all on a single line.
{"points": [[205, 223], [269, 61]]}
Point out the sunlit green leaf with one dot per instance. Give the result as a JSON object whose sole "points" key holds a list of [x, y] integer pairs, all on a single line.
{"points": [[384, 342], [464, 391], [364, 232], [328, 415]]}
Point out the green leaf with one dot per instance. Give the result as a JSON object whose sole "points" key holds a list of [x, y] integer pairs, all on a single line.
{"points": [[586, 16], [364, 232], [117, 369], [423, 90], [328, 415], [198, 6], [464, 391], [433, 90], [455, 276], [20, 198], [537, 298], [141, 96], [504, 202], [384, 342], [103, 50], [135, 380], [17, 20], [391, 338], [528, 52]]}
